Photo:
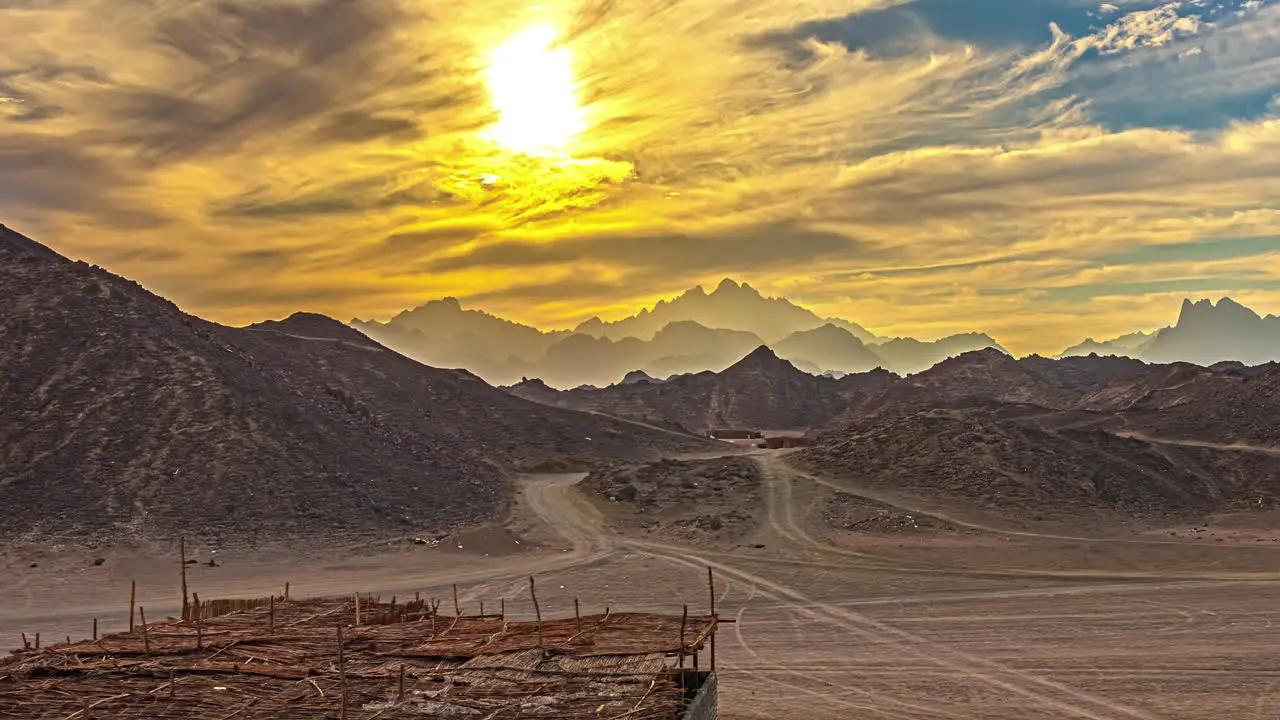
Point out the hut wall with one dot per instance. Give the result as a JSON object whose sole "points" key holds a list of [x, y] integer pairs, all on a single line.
{"points": [[706, 703]]}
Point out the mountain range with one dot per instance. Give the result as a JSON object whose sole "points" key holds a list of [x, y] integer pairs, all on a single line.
{"points": [[124, 418], [693, 332], [699, 331]]}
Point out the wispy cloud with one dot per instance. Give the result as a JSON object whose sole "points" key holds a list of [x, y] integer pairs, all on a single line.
{"points": [[1015, 166]]}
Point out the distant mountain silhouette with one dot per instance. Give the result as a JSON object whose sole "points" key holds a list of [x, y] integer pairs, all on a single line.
{"points": [[1208, 333], [828, 348], [442, 334], [691, 333], [680, 347], [1126, 345], [731, 305], [908, 355], [1205, 334]]}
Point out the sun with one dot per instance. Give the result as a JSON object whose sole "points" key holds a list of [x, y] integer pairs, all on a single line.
{"points": [[533, 89]]}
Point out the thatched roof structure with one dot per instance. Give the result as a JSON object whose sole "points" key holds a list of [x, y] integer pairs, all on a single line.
{"points": [[335, 658]]}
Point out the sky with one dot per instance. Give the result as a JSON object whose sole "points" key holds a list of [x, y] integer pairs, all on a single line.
{"points": [[1040, 170]]}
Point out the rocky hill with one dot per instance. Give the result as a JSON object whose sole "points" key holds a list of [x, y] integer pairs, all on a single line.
{"points": [[1061, 436], [1001, 456], [123, 417], [759, 391]]}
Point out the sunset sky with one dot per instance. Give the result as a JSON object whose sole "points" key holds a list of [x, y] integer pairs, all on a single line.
{"points": [[1039, 170]]}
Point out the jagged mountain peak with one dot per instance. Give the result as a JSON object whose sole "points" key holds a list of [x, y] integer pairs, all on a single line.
{"points": [[1205, 309], [762, 358]]}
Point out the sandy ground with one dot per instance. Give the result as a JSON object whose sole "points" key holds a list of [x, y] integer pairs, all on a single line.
{"points": [[963, 618]]}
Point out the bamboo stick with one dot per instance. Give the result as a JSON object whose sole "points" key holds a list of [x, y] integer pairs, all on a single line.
{"points": [[146, 637], [684, 620], [182, 558], [342, 674], [538, 614], [711, 591]]}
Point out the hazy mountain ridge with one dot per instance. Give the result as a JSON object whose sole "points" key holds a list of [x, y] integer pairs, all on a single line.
{"points": [[693, 332], [698, 331], [1205, 333], [731, 305]]}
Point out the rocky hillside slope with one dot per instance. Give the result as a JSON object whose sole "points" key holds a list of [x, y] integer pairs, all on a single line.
{"points": [[1062, 436], [123, 417]]}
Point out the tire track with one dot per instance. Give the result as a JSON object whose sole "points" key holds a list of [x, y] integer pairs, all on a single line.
{"points": [[973, 666]]}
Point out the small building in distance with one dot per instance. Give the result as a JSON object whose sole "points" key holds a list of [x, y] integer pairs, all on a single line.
{"points": [[732, 434], [780, 442]]}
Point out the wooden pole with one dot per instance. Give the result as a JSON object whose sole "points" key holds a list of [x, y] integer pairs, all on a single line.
{"points": [[342, 675], [133, 594], [182, 558], [146, 637], [95, 628], [286, 592], [457, 609], [400, 696], [537, 611], [171, 688], [199, 627], [576, 615], [502, 608], [37, 641], [357, 609], [481, 608], [271, 615], [711, 590], [684, 619], [25, 645]]}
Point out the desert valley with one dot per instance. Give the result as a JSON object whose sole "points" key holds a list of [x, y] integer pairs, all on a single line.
{"points": [[950, 532]]}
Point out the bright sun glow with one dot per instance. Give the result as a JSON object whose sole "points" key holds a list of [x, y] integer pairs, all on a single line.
{"points": [[533, 90]]}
